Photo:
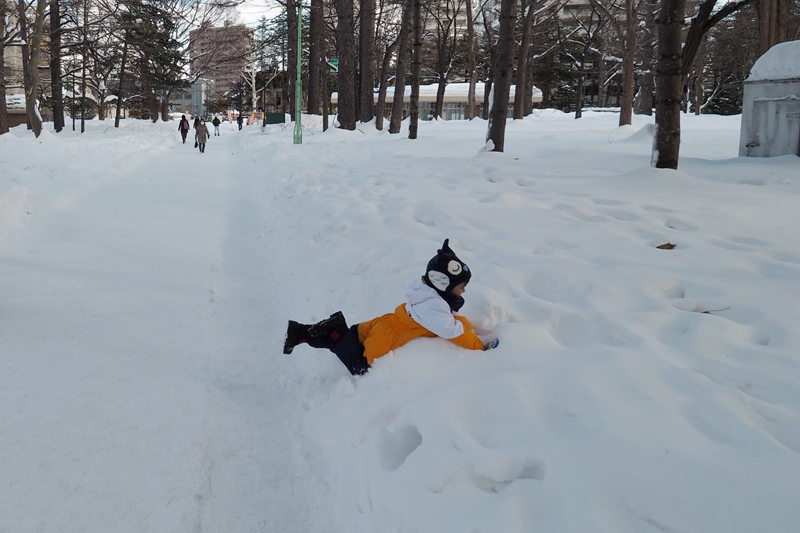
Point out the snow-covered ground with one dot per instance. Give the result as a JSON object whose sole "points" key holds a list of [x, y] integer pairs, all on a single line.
{"points": [[145, 288]]}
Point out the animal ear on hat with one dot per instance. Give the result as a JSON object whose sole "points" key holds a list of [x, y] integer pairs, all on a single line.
{"points": [[439, 280], [446, 247]]}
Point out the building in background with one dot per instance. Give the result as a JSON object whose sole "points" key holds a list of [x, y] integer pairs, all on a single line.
{"points": [[192, 101], [220, 56]]}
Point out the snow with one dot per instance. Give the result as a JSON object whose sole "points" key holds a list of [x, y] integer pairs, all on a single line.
{"points": [[146, 287], [778, 63]]}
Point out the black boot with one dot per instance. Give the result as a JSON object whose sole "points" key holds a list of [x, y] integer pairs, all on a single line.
{"points": [[333, 328], [296, 333]]}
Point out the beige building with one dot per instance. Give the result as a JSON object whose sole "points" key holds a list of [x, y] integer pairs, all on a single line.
{"points": [[12, 69], [220, 55]]}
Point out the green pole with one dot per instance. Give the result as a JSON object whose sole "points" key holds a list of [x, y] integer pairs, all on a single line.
{"points": [[298, 85]]}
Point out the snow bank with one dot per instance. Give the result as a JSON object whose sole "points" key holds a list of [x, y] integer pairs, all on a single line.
{"points": [[143, 388]]}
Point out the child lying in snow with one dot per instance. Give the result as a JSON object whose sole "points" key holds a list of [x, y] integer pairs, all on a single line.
{"points": [[431, 302]]}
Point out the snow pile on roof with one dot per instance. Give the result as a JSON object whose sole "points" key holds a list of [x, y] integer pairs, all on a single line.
{"points": [[779, 63]]}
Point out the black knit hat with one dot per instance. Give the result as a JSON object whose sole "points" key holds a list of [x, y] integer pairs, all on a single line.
{"points": [[445, 270]]}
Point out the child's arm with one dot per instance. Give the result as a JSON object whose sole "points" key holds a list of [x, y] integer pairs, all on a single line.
{"points": [[468, 339]]}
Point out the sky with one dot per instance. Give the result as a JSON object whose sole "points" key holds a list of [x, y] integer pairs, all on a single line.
{"points": [[145, 290], [250, 12]]}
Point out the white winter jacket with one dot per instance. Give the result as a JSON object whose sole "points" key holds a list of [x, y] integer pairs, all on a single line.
{"points": [[430, 311]]}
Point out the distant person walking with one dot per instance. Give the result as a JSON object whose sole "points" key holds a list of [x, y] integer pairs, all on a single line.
{"points": [[201, 136], [216, 124], [184, 127], [240, 121], [196, 121]]}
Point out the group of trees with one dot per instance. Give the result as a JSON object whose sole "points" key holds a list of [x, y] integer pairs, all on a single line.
{"points": [[101, 51], [667, 56], [640, 55]]}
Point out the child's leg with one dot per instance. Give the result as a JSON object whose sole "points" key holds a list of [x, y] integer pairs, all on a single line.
{"points": [[323, 334], [331, 334], [351, 352]]}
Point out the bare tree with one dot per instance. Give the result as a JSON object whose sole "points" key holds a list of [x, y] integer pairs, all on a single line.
{"points": [[291, 53], [579, 45], [444, 14], [488, 15], [523, 57], [384, 79], [472, 53], [345, 45], [673, 67], [669, 84], [387, 39], [643, 101], [4, 9], [416, 67], [627, 32], [535, 12], [316, 57], [502, 77], [31, 54], [57, 87], [366, 47], [402, 65], [773, 17]]}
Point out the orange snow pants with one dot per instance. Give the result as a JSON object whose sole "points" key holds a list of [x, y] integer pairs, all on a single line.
{"points": [[390, 331]]}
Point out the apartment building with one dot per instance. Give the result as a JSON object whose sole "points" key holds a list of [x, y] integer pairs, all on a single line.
{"points": [[220, 55]]}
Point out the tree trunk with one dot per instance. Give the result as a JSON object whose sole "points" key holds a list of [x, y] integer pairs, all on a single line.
{"points": [[155, 108], [366, 48], [669, 84], [345, 45], [3, 103], [380, 107], [529, 82], [34, 118], [25, 48], [416, 67], [488, 82], [698, 66], [488, 85], [121, 78], [773, 17], [522, 61], [441, 87], [325, 99], [315, 57], [472, 70], [628, 63], [165, 107], [402, 65], [55, 66], [291, 56], [602, 74], [502, 77], [85, 53], [579, 91], [643, 102]]}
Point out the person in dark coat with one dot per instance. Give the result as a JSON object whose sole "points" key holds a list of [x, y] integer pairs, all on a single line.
{"points": [[216, 124], [196, 121], [201, 136], [240, 121], [183, 127]]}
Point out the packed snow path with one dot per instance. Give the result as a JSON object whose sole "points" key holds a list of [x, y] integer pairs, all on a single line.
{"points": [[137, 310], [145, 288]]}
